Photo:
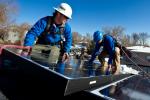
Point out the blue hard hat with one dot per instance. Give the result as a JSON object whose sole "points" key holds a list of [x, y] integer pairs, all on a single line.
{"points": [[97, 36]]}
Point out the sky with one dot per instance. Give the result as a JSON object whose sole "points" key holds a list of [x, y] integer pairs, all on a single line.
{"points": [[91, 15]]}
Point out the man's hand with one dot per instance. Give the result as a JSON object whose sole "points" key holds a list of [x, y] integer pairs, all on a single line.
{"points": [[65, 57], [26, 52], [108, 69]]}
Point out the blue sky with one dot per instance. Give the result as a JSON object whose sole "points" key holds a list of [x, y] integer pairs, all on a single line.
{"points": [[91, 15]]}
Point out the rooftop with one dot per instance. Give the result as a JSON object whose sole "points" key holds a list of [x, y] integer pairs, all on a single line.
{"points": [[139, 49]]}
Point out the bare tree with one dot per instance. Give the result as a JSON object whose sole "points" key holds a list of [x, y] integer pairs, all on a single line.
{"points": [[126, 40], [117, 32], [107, 30], [135, 37], [3, 17], [76, 37], [143, 38], [88, 37], [129, 39], [7, 10], [23, 28], [3, 34]]}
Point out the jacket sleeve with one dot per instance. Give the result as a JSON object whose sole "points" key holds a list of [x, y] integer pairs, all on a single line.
{"points": [[97, 47], [34, 32], [111, 48], [68, 38]]}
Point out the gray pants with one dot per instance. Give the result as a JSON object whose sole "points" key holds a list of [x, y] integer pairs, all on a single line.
{"points": [[46, 53], [116, 61], [54, 54]]}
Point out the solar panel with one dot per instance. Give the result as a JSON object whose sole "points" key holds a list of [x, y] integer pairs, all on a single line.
{"points": [[32, 77]]}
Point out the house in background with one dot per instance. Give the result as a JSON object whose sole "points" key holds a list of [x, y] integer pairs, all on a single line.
{"points": [[14, 36], [141, 51]]}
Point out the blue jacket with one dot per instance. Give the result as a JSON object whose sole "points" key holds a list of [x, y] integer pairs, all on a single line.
{"points": [[40, 26], [108, 46]]}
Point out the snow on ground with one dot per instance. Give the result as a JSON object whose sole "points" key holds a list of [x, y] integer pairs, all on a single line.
{"points": [[128, 70], [124, 69]]}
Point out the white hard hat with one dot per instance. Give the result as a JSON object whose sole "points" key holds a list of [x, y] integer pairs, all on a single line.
{"points": [[65, 9]]}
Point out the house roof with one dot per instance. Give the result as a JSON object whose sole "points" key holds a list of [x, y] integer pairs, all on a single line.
{"points": [[139, 49], [137, 59]]}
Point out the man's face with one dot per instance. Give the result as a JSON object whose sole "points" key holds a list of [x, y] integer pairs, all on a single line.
{"points": [[60, 18]]}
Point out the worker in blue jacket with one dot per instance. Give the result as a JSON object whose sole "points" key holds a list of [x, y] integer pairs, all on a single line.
{"points": [[105, 45], [52, 30]]}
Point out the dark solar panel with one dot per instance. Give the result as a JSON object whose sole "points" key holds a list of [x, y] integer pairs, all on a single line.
{"points": [[36, 79]]}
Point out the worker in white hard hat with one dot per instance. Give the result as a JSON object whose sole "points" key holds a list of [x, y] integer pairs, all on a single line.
{"points": [[52, 30]]}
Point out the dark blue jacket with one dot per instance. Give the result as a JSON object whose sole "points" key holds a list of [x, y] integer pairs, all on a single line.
{"points": [[40, 26], [108, 44]]}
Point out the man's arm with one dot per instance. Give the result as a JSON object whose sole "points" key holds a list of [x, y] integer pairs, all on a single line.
{"points": [[34, 32], [97, 47], [68, 39], [67, 43], [111, 49]]}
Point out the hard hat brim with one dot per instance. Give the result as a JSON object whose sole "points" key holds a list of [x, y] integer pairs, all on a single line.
{"points": [[62, 12]]}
